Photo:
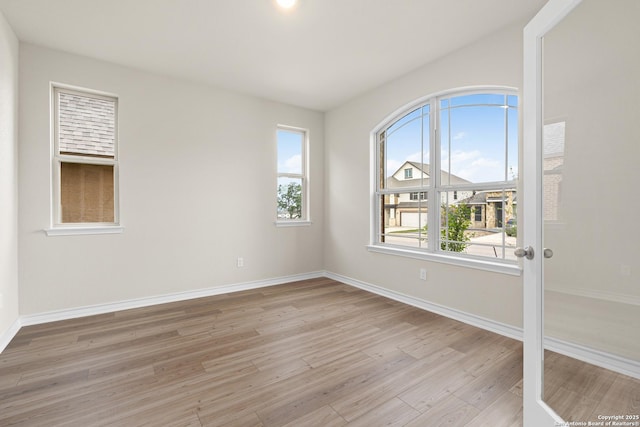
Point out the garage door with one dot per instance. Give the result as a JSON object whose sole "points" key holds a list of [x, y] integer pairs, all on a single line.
{"points": [[412, 219]]}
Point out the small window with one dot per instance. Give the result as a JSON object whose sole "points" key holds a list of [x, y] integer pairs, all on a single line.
{"points": [[408, 173], [478, 214], [85, 162], [292, 175]]}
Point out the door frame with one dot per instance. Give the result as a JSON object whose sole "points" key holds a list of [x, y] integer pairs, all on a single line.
{"points": [[536, 412]]}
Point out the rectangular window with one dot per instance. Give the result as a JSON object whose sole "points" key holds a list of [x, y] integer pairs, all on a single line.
{"points": [[464, 147], [85, 161], [292, 185]]}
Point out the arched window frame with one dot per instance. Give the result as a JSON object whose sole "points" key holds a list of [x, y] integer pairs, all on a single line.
{"points": [[429, 247]]}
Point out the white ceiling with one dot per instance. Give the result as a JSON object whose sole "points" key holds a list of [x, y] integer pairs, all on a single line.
{"points": [[318, 55]]}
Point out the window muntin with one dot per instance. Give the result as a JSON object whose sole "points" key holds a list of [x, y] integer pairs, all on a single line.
{"points": [[292, 174], [474, 140], [85, 164]]}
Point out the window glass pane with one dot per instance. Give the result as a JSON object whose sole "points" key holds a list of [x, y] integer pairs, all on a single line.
{"points": [[407, 150], [481, 224], [473, 196], [405, 219], [478, 99], [86, 193], [473, 143], [512, 144], [290, 151], [478, 215], [289, 198], [86, 125], [445, 163], [414, 115]]}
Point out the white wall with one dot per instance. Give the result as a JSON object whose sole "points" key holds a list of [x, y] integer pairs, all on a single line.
{"points": [[495, 60], [8, 177], [197, 190]]}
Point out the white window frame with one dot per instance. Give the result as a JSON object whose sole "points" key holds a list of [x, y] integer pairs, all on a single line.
{"points": [[57, 227], [304, 219], [433, 252]]}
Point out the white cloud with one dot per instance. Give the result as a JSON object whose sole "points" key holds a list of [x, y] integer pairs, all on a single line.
{"points": [[415, 157], [485, 163], [292, 165], [459, 135], [392, 166], [461, 157], [472, 166]]}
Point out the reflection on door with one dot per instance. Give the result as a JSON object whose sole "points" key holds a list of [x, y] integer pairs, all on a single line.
{"points": [[552, 163], [591, 191]]}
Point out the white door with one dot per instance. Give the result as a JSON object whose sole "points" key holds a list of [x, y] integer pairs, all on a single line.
{"points": [[536, 412]]}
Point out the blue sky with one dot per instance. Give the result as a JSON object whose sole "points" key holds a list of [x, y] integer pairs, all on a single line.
{"points": [[290, 144], [472, 138]]}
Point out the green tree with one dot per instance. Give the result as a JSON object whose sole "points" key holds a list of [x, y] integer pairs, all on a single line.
{"points": [[458, 220], [290, 199]]}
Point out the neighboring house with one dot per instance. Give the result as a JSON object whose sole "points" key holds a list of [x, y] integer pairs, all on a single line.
{"points": [[409, 209], [488, 209]]}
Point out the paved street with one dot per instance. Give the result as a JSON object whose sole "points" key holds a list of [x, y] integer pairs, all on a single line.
{"points": [[489, 245]]}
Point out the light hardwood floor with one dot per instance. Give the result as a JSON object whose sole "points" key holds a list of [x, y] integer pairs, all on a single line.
{"points": [[310, 353]]}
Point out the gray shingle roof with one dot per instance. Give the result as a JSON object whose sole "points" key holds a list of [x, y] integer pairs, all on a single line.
{"points": [[444, 176], [479, 198], [86, 125], [424, 167], [483, 197]]}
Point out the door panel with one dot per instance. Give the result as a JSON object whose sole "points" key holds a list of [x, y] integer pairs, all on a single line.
{"points": [[591, 148], [535, 412], [581, 147]]}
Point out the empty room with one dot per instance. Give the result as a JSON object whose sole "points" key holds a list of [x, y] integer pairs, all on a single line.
{"points": [[319, 213]]}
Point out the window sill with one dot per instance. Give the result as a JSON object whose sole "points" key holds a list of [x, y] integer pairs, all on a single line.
{"points": [[294, 223], [84, 230], [478, 264]]}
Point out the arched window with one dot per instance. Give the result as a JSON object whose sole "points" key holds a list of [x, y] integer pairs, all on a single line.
{"points": [[459, 152]]}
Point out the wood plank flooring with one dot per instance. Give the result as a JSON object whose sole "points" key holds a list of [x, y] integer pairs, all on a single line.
{"points": [[310, 353]]}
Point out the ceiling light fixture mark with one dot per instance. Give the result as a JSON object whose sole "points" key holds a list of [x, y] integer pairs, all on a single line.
{"points": [[286, 4]]}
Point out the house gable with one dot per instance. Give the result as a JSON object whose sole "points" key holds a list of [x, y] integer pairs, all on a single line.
{"points": [[411, 171]]}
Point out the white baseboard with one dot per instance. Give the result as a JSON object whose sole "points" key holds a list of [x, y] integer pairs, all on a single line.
{"points": [[7, 336], [597, 294], [52, 316], [589, 355], [471, 319], [595, 357]]}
